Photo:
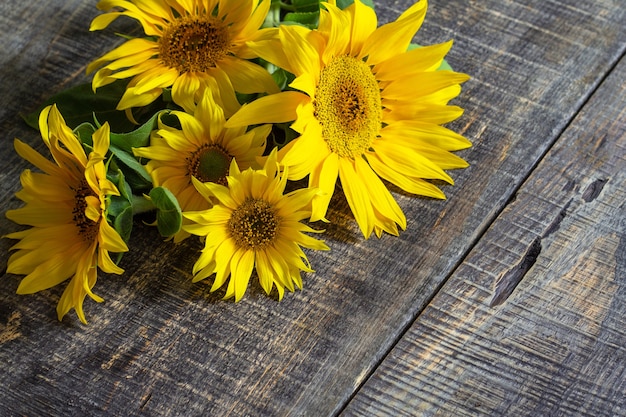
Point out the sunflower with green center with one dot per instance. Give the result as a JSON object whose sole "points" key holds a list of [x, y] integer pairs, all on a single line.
{"points": [[189, 45], [65, 206], [203, 149], [366, 107], [254, 226]]}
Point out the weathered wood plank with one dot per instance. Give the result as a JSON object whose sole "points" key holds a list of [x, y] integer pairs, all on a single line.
{"points": [[161, 345], [556, 343]]}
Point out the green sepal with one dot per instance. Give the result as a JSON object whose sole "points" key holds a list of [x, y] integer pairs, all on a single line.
{"points": [[169, 217]]}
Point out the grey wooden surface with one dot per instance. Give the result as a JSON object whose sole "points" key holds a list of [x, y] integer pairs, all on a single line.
{"points": [[391, 326]]}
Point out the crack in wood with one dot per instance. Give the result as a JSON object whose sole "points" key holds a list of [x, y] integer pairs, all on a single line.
{"points": [[556, 223], [594, 189], [511, 279]]}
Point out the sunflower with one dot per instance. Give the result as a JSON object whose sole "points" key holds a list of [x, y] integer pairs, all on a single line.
{"points": [[189, 45], [201, 149], [66, 207], [366, 107], [254, 226]]}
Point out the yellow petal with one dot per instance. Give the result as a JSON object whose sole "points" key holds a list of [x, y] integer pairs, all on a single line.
{"points": [[409, 162], [364, 23], [277, 108], [381, 198], [109, 239], [435, 135], [394, 38], [408, 184], [158, 78], [247, 77], [357, 196], [211, 117], [303, 57], [241, 267], [102, 21], [324, 177], [128, 48], [184, 90], [131, 99], [427, 58], [421, 84], [35, 158]]}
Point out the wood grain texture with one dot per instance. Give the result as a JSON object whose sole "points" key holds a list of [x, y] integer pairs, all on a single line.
{"points": [[161, 345], [557, 345]]}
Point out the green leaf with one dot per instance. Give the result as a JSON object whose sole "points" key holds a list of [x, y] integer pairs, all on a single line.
{"points": [[282, 77], [303, 6], [308, 19], [138, 137], [123, 223], [135, 173], [78, 105], [169, 215], [120, 208], [84, 131]]}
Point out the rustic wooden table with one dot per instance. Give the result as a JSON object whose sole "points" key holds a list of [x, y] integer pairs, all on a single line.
{"points": [[507, 299]]}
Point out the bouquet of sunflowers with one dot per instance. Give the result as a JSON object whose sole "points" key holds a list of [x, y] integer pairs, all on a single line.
{"points": [[212, 117]]}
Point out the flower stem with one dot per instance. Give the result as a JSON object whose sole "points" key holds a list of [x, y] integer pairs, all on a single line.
{"points": [[142, 204]]}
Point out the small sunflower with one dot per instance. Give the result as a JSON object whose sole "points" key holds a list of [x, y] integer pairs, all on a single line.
{"points": [[66, 209], [254, 226], [367, 107], [189, 46], [203, 149]]}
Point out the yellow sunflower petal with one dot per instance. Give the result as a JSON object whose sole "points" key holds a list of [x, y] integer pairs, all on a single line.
{"points": [[324, 177], [380, 197], [409, 184], [184, 89], [357, 196], [104, 20], [277, 108], [394, 38], [303, 57], [427, 58], [333, 22], [128, 48], [409, 162], [247, 77], [364, 23], [241, 270], [421, 84], [35, 158]]}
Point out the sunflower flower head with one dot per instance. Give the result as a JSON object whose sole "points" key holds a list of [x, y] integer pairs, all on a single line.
{"points": [[202, 148], [65, 207], [368, 108], [188, 46], [254, 226]]}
